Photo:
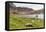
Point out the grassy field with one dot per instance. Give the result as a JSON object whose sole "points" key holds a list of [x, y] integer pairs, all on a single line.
{"points": [[19, 22]]}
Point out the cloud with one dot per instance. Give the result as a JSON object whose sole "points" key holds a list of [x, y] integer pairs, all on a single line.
{"points": [[34, 6]]}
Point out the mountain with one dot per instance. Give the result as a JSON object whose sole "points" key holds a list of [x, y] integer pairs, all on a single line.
{"points": [[24, 10]]}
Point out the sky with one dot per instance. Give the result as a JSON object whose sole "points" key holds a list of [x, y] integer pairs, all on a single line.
{"points": [[33, 6]]}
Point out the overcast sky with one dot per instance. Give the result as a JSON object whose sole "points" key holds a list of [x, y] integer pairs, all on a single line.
{"points": [[34, 6]]}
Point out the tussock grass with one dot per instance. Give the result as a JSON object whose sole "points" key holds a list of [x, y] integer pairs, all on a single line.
{"points": [[16, 22]]}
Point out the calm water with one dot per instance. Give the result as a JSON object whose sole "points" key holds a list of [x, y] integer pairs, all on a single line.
{"points": [[32, 16]]}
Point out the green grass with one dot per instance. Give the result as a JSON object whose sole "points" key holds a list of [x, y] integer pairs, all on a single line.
{"points": [[19, 22]]}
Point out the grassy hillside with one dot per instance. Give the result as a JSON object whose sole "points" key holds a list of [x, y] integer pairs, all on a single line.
{"points": [[19, 22]]}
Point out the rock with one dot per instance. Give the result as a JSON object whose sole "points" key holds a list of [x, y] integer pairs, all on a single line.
{"points": [[28, 25]]}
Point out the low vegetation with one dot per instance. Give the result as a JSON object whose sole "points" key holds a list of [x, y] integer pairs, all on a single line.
{"points": [[19, 22]]}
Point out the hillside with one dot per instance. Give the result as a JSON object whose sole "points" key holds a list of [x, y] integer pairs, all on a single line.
{"points": [[24, 10]]}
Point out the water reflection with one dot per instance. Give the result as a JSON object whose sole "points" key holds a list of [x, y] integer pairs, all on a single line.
{"points": [[41, 16]]}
